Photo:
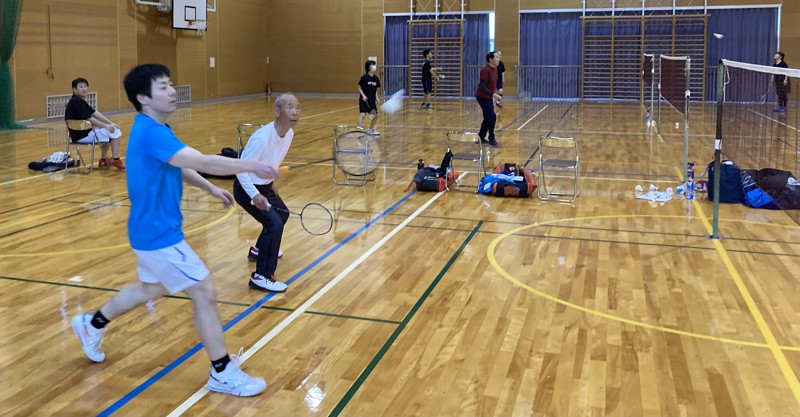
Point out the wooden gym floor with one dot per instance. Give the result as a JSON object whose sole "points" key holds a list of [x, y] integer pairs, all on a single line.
{"points": [[416, 304]]}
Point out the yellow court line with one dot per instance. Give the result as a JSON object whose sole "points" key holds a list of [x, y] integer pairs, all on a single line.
{"points": [[772, 342], [229, 213], [496, 265]]}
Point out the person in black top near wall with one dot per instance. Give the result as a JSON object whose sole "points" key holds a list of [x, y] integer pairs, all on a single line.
{"points": [[368, 90], [783, 86], [428, 72], [103, 131]]}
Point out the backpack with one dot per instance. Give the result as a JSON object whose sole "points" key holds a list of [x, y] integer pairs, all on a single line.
{"points": [[436, 179], [508, 180], [730, 183], [430, 179], [228, 153]]}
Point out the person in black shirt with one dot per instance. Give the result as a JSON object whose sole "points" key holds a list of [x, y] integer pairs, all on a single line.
{"points": [[501, 68], [783, 85], [103, 131], [368, 89], [428, 73]]}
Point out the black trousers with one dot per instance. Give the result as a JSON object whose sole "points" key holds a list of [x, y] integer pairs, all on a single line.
{"points": [[272, 221], [489, 118]]}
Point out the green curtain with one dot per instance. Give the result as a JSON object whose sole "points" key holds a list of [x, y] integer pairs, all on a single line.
{"points": [[9, 23]]}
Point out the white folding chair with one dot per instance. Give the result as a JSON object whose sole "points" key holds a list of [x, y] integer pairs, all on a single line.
{"points": [[468, 153], [558, 156], [244, 131], [77, 124]]}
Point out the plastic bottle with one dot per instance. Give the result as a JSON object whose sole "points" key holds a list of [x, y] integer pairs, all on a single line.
{"points": [[690, 181]]}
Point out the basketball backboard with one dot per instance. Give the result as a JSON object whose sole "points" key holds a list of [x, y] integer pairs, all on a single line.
{"points": [[187, 13]]}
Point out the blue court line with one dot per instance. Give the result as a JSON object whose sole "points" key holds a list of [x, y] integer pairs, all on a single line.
{"points": [[183, 358], [520, 117]]}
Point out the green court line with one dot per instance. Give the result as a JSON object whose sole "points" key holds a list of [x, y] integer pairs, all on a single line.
{"points": [[388, 344], [319, 313]]}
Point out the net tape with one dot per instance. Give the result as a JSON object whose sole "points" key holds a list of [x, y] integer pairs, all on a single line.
{"points": [[794, 73]]}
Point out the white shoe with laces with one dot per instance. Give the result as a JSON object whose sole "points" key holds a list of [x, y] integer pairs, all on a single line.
{"points": [[262, 283], [90, 338], [234, 381], [373, 132]]}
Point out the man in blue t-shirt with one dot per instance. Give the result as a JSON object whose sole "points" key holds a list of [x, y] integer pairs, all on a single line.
{"points": [[158, 164]]}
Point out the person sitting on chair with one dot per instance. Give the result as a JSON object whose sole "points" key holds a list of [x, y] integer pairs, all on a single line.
{"points": [[103, 131]]}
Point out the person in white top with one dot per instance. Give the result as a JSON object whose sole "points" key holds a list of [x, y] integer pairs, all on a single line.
{"points": [[259, 196]]}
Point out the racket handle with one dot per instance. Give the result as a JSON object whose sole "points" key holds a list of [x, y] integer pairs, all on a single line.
{"points": [[283, 169]]}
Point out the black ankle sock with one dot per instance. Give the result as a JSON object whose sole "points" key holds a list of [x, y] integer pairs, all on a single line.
{"points": [[220, 364], [99, 321]]}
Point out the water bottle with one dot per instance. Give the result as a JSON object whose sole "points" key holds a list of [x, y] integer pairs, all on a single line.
{"points": [[690, 181], [420, 164]]}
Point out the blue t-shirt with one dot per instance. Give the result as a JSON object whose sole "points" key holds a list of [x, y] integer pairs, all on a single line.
{"points": [[155, 187]]}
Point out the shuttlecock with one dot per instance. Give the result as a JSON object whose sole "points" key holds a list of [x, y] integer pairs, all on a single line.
{"points": [[718, 35], [393, 104]]}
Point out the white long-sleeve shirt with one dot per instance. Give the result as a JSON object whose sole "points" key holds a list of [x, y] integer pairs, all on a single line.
{"points": [[266, 146]]}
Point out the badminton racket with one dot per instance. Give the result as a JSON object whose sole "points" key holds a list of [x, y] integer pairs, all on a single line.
{"points": [[314, 217], [284, 169], [373, 112]]}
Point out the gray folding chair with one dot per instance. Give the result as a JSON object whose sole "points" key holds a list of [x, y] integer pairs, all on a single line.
{"points": [[77, 124], [245, 130], [558, 156], [356, 154], [469, 153]]}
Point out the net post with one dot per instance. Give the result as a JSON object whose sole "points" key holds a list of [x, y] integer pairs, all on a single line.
{"points": [[660, 73], [687, 96], [718, 147]]}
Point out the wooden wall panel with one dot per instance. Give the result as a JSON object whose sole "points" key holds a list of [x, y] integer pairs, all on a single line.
{"points": [[315, 46], [507, 40], [372, 33], [52, 50], [243, 49], [157, 40], [128, 46]]}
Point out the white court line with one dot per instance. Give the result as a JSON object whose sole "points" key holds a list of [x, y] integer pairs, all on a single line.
{"points": [[533, 117], [302, 309], [26, 178], [330, 112], [774, 120]]}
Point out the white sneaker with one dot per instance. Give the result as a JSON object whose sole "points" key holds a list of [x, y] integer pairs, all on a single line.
{"points": [[252, 255], [90, 338], [262, 283], [373, 132], [234, 381]]}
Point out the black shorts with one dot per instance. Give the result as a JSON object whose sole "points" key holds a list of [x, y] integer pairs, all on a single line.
{"points": [[427, 85], [499, 83], [366, 106]]}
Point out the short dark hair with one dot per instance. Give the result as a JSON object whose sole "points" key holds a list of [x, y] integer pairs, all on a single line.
{"points": [[368, 64], [425, 53], [140, 81], [781, 54], [489, 56], [79, 80]]}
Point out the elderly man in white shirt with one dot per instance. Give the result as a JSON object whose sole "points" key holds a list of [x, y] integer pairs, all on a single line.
{"points": [[260, 198]]}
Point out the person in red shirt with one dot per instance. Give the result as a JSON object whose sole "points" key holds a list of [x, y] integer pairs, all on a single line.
{"points": [[486, 95]]}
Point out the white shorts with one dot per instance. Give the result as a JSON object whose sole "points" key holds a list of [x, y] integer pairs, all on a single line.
{"points": [[100, 135], [176, 267]]}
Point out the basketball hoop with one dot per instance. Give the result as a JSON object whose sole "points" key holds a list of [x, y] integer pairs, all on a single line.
{"points": [[199, 25]]}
